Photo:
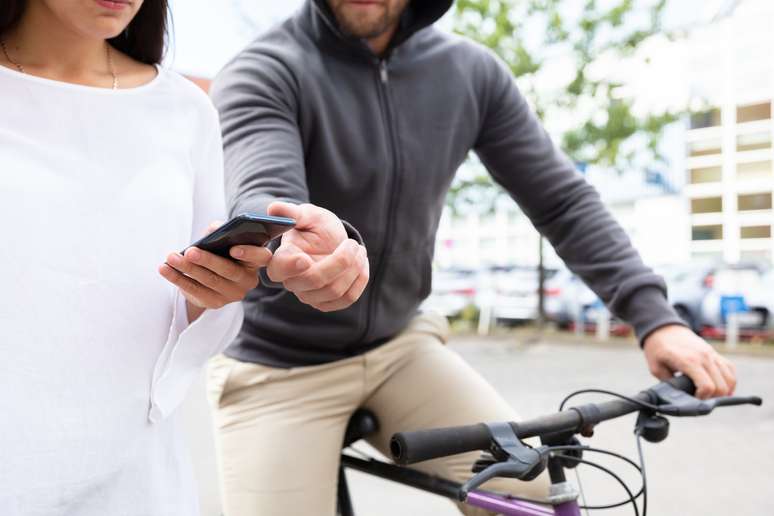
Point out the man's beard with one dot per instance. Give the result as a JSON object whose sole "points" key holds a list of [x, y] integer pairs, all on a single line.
{"points": [[367, 27]]}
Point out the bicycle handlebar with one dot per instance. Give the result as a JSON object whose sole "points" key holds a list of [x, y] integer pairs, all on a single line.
{"points": [[421, 445]]}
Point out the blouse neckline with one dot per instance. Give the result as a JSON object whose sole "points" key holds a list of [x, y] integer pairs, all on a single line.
{"points": [[82, 87]]}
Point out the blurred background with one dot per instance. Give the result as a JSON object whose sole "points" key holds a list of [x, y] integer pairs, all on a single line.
{"points": [[665, 106]]}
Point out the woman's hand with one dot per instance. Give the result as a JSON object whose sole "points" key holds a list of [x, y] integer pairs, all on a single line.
{"points": [[210, 281]]}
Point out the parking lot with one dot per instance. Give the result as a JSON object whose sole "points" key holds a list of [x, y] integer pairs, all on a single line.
{"points": [[720, 464], [716, 300]]}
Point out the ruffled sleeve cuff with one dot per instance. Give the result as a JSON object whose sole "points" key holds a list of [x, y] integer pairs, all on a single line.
{"points": [[187, 349]]}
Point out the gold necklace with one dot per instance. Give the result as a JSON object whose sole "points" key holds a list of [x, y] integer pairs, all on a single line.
{"points": [[8, 57], [19, 67]]}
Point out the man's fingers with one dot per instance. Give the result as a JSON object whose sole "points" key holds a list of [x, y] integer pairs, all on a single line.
{"points": [[288, 262], [352, 295], [347, 256], [729, 373], [285, 209], [661, 371], [721, 388], [338, 288], [701, 379]]}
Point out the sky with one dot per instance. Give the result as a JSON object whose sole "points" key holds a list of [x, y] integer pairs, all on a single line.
{"points": [[207, 33]]}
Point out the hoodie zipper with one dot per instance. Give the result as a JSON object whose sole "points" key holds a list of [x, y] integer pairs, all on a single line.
{"points": [[384, 95]]}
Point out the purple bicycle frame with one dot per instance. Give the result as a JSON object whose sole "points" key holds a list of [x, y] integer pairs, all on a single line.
{"points": [[514, 507]]}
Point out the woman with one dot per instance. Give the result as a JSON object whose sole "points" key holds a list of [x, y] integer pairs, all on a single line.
{"points": [[107, 163]]}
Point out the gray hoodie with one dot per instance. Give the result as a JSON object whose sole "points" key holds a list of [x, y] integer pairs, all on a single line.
{"points": [[312, 115]]}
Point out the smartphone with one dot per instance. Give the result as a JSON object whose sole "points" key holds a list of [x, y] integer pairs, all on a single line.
{"points": [[246, 229]]}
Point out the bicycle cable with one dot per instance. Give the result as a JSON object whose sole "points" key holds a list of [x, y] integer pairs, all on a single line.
{"points": [[605, 452], [634, 401], [618, 479], [644, 490], [582, 492], [638, 435]]}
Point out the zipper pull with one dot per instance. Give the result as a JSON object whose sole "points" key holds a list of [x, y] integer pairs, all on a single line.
{"points": [[383, 71]]}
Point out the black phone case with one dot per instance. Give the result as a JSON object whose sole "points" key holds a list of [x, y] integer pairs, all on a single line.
{"points": [[243, 230]]}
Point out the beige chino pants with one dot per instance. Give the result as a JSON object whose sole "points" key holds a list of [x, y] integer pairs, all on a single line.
{"points": [[279, 431]]}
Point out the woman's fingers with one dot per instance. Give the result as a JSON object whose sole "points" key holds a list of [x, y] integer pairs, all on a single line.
{"points": [[251, 256], [223, 267], [204, 276], [194, 291]]}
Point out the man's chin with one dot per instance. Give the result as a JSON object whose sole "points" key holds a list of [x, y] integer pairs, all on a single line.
{"points": [[362, 26]]}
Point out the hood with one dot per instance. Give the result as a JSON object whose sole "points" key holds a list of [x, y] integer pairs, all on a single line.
{"points": [[418, 15]]}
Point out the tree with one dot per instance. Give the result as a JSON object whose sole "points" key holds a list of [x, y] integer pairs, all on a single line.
{"points": [[574, 42]]}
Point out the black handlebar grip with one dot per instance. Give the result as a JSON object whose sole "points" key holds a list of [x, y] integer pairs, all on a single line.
{"points": [[412, 447], [683, 383]]}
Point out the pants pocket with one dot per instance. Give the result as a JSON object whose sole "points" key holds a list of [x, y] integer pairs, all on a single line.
{"points": [[218, 371]]}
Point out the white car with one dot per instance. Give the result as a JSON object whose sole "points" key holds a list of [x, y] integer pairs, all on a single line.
{"points": [[738, 281], [452, 291]]}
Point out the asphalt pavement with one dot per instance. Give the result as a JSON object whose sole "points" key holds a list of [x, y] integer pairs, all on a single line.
{"points": [[715, 465]]}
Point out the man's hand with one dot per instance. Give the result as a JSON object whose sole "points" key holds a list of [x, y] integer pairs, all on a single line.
{"points": [[676, 348], [210, 281], [316, 261]]}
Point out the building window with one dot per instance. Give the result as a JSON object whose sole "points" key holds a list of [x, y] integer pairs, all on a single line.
{"points": [[751, 202], [707, 205], [754, 170], [755, 232], [706, 175], [713, 232], [753, 112], [704, 147], [710, 118], [755, 141]]}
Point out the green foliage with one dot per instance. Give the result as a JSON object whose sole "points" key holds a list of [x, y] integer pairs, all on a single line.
{"points": [[529, 34]]}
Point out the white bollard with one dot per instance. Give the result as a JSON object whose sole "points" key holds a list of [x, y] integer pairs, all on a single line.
{"points": [[580, 326], [485, 318], [603, 324], [732, 330]]}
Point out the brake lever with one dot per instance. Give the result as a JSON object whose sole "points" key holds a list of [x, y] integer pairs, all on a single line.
{"points": [[499, 469], [511, 458], [674, 402]]}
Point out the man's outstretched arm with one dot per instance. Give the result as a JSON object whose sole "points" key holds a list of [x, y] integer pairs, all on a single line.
{"points": [[568, 211], [323, 260]]}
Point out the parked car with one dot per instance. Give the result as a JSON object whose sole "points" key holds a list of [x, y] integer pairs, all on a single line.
{"points": [[510, 293], [452, 291], [695, 292], [567, 298], [762, 296], [741, 280]]}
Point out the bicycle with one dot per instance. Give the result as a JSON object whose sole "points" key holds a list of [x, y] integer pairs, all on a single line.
{"points": [[507, 456]]}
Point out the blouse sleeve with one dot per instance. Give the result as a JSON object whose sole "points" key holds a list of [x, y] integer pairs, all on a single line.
{"points": [[189, 346]]}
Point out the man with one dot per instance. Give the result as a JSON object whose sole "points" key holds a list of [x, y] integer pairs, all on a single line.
{"points": [[361, 111]]}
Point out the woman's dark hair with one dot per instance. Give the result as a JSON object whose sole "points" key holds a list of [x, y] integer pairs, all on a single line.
{"points": [[143, 40]]}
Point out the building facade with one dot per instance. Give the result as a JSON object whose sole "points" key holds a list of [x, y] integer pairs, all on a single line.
{"points": [[729, 154]]}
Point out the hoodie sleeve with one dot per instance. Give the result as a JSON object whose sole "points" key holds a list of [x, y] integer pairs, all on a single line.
{"points": [[521, 157], [263, 154]]}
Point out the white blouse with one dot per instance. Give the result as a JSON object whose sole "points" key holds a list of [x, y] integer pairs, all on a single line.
{"points": [[96, 187]]}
